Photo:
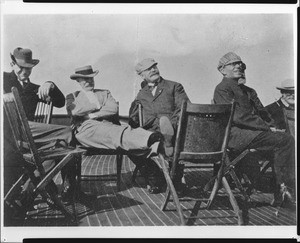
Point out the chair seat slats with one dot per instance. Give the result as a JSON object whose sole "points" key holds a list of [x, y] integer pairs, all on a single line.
{"points": [[201, 157]]}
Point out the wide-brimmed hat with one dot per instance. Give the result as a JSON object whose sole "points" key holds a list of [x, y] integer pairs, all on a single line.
{"points": [[287, 84], [84, 72], [23, 57], [145, 64], [228, 58]]}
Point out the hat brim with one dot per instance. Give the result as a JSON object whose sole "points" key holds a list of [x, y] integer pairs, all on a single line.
{"points": [[76, 75], [286, 88], [21, 63]]}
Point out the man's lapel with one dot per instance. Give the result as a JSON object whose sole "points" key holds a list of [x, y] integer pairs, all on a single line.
{"points": [[159, 89]]}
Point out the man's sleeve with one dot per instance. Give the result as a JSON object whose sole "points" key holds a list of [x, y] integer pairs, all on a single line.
{"points": [[180, 96], [57, 97], [76, 108], [109, 108], [134, 114], [261, 110], [223, 96]]}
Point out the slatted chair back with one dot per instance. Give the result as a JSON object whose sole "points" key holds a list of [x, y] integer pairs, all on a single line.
{"points": [[20, 127], [43, 112], [34, 158]]}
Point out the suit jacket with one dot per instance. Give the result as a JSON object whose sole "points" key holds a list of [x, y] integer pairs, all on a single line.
{"points": [[78, 107], [250, 117], [276, 110], [28, 94], [166, 102]]}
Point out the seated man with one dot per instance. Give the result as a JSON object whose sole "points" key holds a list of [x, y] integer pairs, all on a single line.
{"points": [[93, 113], [250, 127], [161, 101], [285, 106], [44, 135]]}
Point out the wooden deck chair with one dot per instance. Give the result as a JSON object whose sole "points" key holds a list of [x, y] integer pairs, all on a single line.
{"points": [[119, 160], [43, 114], [34, 169], [43, 111], [265, 163], [202, 137]]}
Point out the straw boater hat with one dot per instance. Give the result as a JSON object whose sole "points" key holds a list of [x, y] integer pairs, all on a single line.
{"points": [[84, 72], [23, 57], [287, 84]]}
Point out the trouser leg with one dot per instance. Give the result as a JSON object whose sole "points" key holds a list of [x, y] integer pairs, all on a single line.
{"points": [[48, 135], [283, 146]]}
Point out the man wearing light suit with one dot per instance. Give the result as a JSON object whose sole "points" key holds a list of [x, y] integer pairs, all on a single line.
{"points": [[93, 113]]}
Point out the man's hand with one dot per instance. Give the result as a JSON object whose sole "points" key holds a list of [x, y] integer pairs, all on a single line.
{"points": [[273, 129], [45, 89]]}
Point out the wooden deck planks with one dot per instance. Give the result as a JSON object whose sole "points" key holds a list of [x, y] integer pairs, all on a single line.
{"points": [[133, 206]]}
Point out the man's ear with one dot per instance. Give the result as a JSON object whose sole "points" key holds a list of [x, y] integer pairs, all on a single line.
{"points": [[221, 70], [12, 64]]}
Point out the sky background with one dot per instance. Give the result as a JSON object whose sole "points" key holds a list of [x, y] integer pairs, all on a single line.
{"points": [[187, 48]]}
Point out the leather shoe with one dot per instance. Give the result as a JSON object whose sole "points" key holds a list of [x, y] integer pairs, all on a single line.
{"points": [[153, 189], [181, 189], [283, 197]]}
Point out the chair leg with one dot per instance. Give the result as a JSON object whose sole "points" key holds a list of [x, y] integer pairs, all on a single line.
{"points": [[233, 202], [61, 206], [212, 194], [11, 191], [78, 162], [48, 177], [239, 185], [172, 189], [119, 168], [134, 174], [167, 199]]}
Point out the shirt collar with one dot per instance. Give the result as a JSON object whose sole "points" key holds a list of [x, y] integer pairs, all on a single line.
{"points": [[155, 84], [284, 103]]}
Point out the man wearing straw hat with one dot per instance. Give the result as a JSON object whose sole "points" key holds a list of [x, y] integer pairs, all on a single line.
{"points": [[251, 125], [94, 119], [283, 110]]}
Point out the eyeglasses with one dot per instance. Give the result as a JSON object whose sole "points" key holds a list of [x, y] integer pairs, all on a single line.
{"points": [[240, 63]]}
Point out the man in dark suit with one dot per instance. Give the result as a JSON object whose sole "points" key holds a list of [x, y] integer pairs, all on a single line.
{"points": [[283, 110], [251, 124], [161, 101], [45, 135]]}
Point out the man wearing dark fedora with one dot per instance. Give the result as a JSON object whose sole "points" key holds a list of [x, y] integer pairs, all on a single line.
{"points": [[94, 118], [45, 135], [251, 126], [161, 101], [283, 110]]}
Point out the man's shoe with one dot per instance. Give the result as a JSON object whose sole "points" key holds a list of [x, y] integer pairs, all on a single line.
{"points": [[167, 131], [283, 197], [181, 189], [153, 189], [154, 137]]}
